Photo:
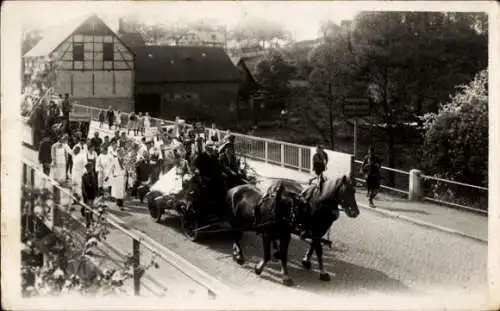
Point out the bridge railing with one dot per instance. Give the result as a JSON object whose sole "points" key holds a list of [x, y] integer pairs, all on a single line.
{"points": [[173, 277], [285, 154], [401, 179], [299, 157]]}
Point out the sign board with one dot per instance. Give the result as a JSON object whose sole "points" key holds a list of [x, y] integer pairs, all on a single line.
{"points": [[79, 116], [356, 107]]}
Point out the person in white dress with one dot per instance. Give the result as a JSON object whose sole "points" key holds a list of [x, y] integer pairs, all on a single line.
{"points": [[147, 125], [59, 153], [118, 119], [213, 134], [118, 176], [79, 161], [112, 148], [103, 167]]}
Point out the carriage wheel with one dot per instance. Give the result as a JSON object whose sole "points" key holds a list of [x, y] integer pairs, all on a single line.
{"points": [[156, 211], [189, 223], [159, 213], [189, 229]]}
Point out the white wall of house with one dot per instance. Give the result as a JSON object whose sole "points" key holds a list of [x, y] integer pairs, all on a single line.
{"points": [[95, 73]]}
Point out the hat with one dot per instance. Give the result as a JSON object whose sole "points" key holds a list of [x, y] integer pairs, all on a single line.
{"points": [[229, 137], [209, 144], [223, 146], [181, 121]]}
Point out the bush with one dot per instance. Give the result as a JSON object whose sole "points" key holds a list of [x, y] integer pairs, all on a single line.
{"points": [[456, 138], [55, 275]]}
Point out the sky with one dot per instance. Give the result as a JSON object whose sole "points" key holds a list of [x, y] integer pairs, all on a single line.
{"points": [[301, 19]]}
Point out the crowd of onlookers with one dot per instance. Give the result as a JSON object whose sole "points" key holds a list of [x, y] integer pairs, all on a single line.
{"points": [[138, 124]]}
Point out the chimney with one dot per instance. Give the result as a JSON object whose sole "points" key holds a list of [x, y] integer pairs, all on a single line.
{"points": [[346, 26], [120, 26]]}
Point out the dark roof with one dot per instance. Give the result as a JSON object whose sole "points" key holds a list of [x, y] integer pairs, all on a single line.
{"points": [[132, 38], [251, 63], [155, 64]]}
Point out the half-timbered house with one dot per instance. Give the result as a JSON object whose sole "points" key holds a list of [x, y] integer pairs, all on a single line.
{"points": [[89, 61]]}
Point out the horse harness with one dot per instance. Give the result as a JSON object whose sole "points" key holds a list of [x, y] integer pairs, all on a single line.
{"points": [[275, 193]]}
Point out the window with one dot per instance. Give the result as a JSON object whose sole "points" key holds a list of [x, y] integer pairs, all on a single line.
{"points": [[78, 52], [190, 96], [108, 52]]}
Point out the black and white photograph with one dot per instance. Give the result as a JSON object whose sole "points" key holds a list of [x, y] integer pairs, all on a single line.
{"points": [[250, 155]]}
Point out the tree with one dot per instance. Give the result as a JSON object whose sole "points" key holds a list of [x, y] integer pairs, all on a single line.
{"points": [[261, 31], [29, 39], [331, 78], [412, 60], [273, 74], [456, 137]]}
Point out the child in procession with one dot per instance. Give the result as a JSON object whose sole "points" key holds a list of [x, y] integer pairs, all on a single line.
{"points": [[103, 167]]}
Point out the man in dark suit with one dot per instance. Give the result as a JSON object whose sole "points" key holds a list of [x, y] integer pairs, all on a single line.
{"points": [[96, 141], [90, 190], [44, 154], [371, 169]]}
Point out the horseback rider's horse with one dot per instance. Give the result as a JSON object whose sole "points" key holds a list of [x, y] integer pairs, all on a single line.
{"points": [[282, 210]]}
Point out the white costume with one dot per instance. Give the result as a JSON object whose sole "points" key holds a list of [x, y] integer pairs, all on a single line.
{"points": [[112, 151], [103, 167], [118, 118], [79, 161], [147, 126], [118, 178], [83, 148], [213, 132], [169, 149], [59, 154]]}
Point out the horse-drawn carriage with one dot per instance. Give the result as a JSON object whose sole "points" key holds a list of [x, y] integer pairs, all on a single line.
{"points": [[199, 202], [276, 215]]}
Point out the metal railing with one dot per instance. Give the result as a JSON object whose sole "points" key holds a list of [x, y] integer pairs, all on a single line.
{"points": [[299, 157], [401, 178], [293, 156], [174, 269], [456, 194]]}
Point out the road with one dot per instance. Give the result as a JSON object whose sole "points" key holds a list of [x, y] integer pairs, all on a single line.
{"points": [[370, 254]]}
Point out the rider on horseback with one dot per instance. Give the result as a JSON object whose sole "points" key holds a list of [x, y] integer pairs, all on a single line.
{"points": [[320, 160]]}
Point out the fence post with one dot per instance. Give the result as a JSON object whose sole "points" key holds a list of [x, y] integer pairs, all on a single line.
{"points": [[266, 151], [137, 263], [311, 163], [25, 174], [300, 159], [56, 216], [415, 188], [282, 154]]}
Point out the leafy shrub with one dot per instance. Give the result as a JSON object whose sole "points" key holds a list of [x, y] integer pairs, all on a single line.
{"points": [[456, 138], [55, 276]]}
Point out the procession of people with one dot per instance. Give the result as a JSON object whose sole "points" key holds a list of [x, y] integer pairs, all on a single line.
{"points": [[116, 168]]}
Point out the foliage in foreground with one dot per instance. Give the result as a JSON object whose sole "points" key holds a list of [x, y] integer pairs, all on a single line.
{"points": [[456, 138], [63, 271]]}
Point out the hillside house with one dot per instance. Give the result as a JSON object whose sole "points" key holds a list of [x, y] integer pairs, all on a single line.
{"points": [[90, 62]]}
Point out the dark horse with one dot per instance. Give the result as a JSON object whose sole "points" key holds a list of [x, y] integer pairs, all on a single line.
{"points": [[282, 210], [324, 210]]}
